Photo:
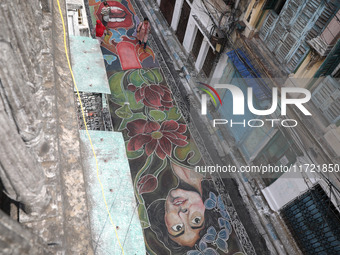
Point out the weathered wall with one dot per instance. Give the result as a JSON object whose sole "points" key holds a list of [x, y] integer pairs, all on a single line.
{"points": [[21, 47], [18, 240], [39, 154]]}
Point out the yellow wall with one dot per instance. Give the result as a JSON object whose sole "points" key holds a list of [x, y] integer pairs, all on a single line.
{"points": [[303, 72], [255, 13], [264, 15]]}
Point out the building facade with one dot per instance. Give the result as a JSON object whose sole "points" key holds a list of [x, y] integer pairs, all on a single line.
{"points": [[281, 43], [194, 24], [298, 42]]}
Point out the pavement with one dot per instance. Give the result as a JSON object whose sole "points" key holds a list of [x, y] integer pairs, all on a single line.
{"points": [[217, 144]]}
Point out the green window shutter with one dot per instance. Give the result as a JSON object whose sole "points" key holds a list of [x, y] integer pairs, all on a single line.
{"points": [[270, 4], [330, 63]]}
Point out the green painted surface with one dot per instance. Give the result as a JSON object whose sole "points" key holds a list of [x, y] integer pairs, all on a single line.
{"points": [[88, 65], [114, 173]]}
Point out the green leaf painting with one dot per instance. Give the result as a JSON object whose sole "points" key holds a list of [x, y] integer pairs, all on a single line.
{"points": [[182, 153], [134, 116], [135, 78], [157, 115], [150, 76], [143, 216], [117, 93], [124, 112], [158, 74], [173, 114], [132, 101]]}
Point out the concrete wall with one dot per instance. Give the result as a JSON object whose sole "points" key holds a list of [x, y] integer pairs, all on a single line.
{"points": [[40, 164]]}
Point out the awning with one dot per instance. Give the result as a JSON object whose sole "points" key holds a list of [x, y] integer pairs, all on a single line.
{"points": [[251, 76]]}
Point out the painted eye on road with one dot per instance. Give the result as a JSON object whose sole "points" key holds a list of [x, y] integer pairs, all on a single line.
{"points": [[177, 227], [196, 220]]}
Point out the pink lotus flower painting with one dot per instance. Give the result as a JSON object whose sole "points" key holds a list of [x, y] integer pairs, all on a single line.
{"points": [[156, 138], [154, 96]]}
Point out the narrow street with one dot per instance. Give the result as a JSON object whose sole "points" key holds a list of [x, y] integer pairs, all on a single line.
{"points": [[180, 211]]}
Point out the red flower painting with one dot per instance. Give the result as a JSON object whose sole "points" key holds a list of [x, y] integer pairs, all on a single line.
{"points": [[156, 138], [155, 96], [147, 184]]}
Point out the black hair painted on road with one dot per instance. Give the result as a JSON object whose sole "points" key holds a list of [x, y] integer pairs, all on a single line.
{"points": [[156, 212]]}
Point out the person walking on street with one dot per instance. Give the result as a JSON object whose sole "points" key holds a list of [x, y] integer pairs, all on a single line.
{"points": [[100, 31], [143, 30], [105, 12]]}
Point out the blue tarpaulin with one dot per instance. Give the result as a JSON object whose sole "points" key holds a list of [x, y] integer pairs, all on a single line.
{"points": [[251, 76]]}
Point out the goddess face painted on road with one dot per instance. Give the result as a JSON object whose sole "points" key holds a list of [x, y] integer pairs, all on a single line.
{"points": [[184, 216], [120, 15]]}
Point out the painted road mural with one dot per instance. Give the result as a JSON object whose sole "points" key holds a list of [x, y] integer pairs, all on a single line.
{"points": [[180, 211]]}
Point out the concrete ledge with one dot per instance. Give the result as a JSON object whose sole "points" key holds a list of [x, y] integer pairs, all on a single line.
{"points": [[77, 235], [115, 177], [88, 65]]}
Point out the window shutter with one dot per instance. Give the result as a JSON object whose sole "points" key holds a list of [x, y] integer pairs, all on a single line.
{"points": [[330, 10], [284, 47], [298, 56], [289, 11], [330, 63], [286, 35], [326, 98], [274, 39], [268, 25]]}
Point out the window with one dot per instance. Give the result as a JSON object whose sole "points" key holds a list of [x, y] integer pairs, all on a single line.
{"points": [[80, 17], [275, 5], [285, 34], [281, 150], [326, 97], [314, 222]]}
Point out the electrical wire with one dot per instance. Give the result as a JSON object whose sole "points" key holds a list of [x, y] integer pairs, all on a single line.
{"points": [[87, 132]]}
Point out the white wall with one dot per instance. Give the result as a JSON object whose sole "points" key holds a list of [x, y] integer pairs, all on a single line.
{"points": [[197, 9], [177, 14], [190, 34], [202, 55], [73, 25]]}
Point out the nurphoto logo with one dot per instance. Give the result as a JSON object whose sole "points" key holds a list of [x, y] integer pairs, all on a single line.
{"points": [[238, 107]]}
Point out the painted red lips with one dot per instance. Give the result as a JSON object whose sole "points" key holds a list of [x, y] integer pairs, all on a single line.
{"points": [[120, 16]]}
